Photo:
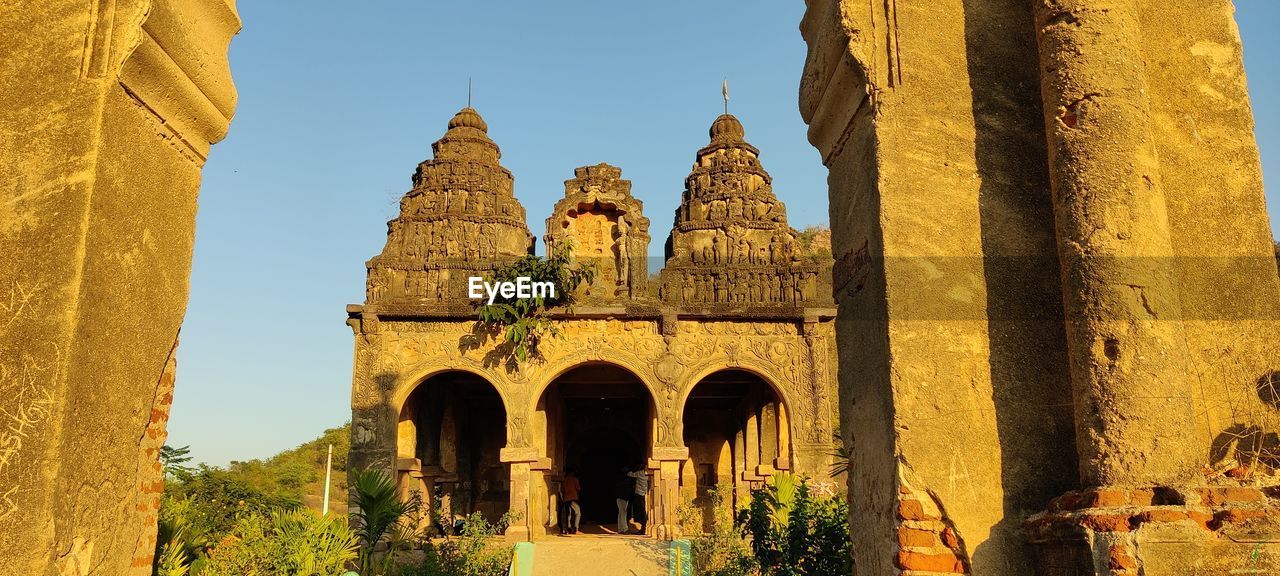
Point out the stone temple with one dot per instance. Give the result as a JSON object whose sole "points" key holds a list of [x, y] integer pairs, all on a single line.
{"points": [[720, 374]]}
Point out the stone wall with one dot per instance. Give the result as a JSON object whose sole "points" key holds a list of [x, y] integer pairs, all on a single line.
{"points": [[1035, 290], [107, 113]]}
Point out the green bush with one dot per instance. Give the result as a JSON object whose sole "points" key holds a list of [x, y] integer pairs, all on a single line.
{"points": [[477, 550], [297, 543], [722, 551], [794, 533]]}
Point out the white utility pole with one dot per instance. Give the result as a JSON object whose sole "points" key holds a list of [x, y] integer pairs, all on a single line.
{"points": [[328, 467]]}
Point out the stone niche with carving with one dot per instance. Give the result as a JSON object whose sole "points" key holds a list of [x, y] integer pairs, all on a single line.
{"points": [[731, 246], [603, 223], [460, 219]]}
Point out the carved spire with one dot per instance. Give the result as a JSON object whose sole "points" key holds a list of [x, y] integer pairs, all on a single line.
{"points": [[607, 226], [731, 245], [460, 219]]}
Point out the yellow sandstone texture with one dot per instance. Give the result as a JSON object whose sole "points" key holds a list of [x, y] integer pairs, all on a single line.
{"points": [[1056, 288], [107, 113]]}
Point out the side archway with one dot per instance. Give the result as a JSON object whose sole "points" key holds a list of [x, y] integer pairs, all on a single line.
{"points": [[737, 428], [450, 431]]}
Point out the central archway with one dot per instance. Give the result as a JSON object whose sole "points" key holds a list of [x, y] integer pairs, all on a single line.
{"points": [[599, 420]]}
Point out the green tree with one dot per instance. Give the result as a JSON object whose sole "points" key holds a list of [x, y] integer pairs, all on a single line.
{"points": [[174, 461], [296, 542]]}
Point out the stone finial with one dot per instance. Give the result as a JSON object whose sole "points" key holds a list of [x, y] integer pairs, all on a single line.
{"points": [[727, 129]]}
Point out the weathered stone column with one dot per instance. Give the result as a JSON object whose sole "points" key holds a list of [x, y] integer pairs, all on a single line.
{"points": [[664, 495], [1128, 353], [521, 504], [107, 113]]}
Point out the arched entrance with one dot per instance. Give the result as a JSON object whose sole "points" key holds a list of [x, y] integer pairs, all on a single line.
{"points": [[737, 430], [451, 431], [599, 420]]}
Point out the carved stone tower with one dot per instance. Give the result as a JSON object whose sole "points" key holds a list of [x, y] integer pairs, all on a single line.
{"points": [[606, 225], [460, 219], [731, 246]]}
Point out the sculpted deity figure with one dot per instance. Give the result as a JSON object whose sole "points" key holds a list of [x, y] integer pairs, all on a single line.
{"points": [[718, 248], [624, 258], [743, 251], [688, 289], [735, 207], [717, 210], [809, 287], [461, 201], [772, 286], [451, 247]]}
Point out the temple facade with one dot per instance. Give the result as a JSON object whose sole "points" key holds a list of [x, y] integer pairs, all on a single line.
{"points": [[720, 373]]}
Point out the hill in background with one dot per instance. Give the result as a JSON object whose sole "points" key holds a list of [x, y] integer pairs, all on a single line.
{"points": [[297, 474]]}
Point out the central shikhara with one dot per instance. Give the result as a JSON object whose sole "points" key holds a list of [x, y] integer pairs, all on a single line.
{"points": [[715, 378]]}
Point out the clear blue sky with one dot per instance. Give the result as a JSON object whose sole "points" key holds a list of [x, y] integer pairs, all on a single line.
{"points": [[338, 105]]}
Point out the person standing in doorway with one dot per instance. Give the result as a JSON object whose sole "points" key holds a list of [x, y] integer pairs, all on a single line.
{"points": [[638, 495], [623, 488], [573, 513]]}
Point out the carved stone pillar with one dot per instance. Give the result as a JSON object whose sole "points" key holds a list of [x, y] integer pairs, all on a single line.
{"points": [[521, 503], [664, 495], [107, 114], [1128, 353]]}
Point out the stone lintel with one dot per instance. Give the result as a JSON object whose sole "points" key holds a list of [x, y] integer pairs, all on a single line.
{"points": [[408, 464], [542, 464], [680, 453], [512, 454]]}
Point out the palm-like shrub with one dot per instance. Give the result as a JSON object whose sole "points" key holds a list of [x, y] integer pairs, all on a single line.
{"points": [[379, 512], [298, 543]]}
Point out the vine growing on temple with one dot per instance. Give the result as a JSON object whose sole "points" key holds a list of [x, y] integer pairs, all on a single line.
{"points": [[524, 322]]}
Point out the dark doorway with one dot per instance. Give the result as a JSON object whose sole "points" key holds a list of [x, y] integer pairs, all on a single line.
{"points": [[599, 421]]}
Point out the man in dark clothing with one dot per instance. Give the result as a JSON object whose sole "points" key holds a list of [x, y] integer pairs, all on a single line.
{"points": [[641, 490]]}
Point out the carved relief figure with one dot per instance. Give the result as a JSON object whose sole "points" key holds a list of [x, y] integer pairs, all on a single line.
{"points": [[624, 259]]}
